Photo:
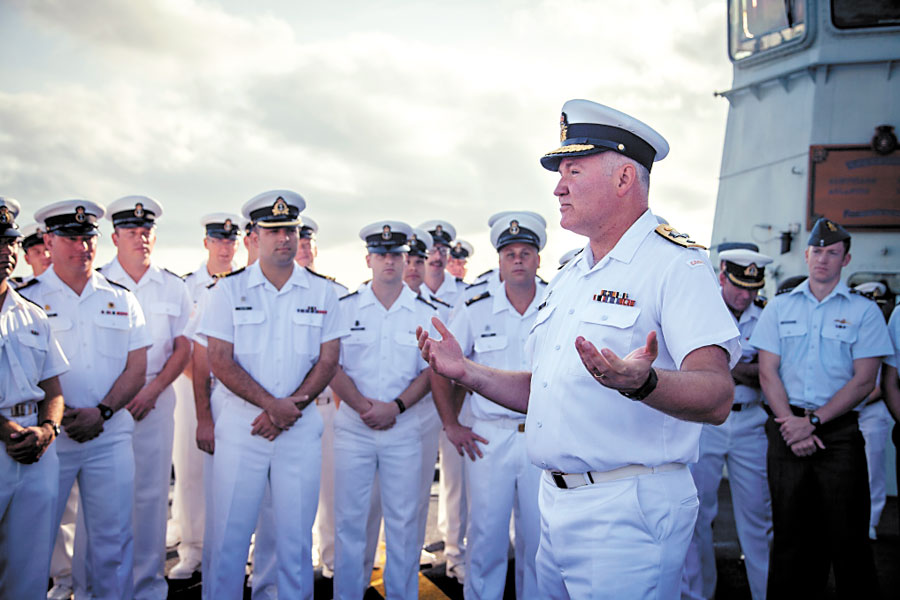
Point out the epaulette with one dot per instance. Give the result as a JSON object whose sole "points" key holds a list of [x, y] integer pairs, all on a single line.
{"points": [[27, 285], [212, 285], [439, 301], [472, 301], [476, 284], [419, 297], [16, 281], [541, 279], [682, 239], [351, 294], [119, 285], [186, 275], [459, 280], [319, 274], [235, 272], [170, 272], [760, 302], [27, 299], [488, 272]]}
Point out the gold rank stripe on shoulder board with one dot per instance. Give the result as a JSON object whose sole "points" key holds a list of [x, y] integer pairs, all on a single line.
{"points": [[682, 239]]}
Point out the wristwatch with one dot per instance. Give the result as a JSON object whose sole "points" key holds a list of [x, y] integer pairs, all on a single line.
{"points": [[53, 424], [105, 412], [815, 420], [645, 390]]}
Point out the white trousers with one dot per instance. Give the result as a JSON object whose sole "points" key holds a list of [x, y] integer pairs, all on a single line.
{"points": [[395, 454], [502, 483], [875, 423], [28, 499], [452, 509], [243, 465], [265, 567], [215, 404], [618, 539], [188, 505], [740, 445], [104, 469], [61, 559], [153, 465]]}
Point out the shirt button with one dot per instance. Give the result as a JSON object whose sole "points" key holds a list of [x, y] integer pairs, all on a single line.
{"points": [[571, 311], [545, 384], [604, 317], [540, 424], [556, 347]]}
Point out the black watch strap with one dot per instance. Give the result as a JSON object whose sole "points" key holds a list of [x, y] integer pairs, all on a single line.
{"points": [[645, 390], [53, 424], [400, 405], [105, 412], [815, 420]]}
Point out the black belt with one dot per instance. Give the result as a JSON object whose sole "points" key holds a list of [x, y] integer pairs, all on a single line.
{"points": [[744, 406], [847, 418]]}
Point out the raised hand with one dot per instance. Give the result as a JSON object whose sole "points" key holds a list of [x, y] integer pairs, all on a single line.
{"points": [[627, 373], [444, 356]]}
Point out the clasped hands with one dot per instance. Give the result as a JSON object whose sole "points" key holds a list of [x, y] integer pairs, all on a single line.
{"points": [[798, 435], [278, 415]]}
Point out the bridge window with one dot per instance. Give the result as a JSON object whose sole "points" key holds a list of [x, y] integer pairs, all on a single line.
{"points": [[756, 26], [855, 14]]}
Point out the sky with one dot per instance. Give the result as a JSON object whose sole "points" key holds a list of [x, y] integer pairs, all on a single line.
{"points": [[376, 109]]}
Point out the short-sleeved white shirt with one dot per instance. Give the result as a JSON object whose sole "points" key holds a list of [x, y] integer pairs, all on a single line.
{"points": [[277, 334], [818, 341], [380, 354], [96, 331], [448, 295], [166, 305], [744, 394], [29, 353], [491, 332], [575, 424], [894, 330]]}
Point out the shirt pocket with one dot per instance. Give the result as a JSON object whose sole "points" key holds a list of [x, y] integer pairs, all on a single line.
{"points": [[32, 352], [249, 331], [608, 326], [408, 358], [355, 345], [161, 315], [112, 335], [490, 343]]}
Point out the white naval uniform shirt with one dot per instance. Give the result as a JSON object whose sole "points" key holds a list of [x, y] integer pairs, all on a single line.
{"points": [[381, 355], [744, 394], [491, 332], [575, 424], [451, 292], [818, 341], [166, 305], [96, 331], [29, 353], [894, 329], [277, 334]]}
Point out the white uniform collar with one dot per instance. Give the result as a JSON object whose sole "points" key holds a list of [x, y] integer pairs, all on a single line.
{"points": [[406, 299], [627, 246], [299, 277], [117, 273], [95, 282], [501, 301]]}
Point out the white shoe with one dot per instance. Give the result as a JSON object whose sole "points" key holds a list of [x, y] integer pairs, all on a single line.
{"points": [[426, 557], [173, 535], [458, 572], [185, 569], [60, 591]]}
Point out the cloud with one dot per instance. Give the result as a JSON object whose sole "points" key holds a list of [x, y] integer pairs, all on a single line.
{"points": [[203, 107]]}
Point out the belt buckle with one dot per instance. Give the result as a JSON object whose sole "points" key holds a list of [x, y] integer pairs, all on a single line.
{"points": [[521, 427], [20, 409], [559, 480]]}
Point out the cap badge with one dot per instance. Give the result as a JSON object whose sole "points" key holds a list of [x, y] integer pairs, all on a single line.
{"points": [[139, 210], [80, 217], [280, 208], [458, 247], [4, 215], [514, 227], [751, 271], [227, 226], [413, 239], [386, 232], [830, 226], [563, 127], [438, 229]]}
